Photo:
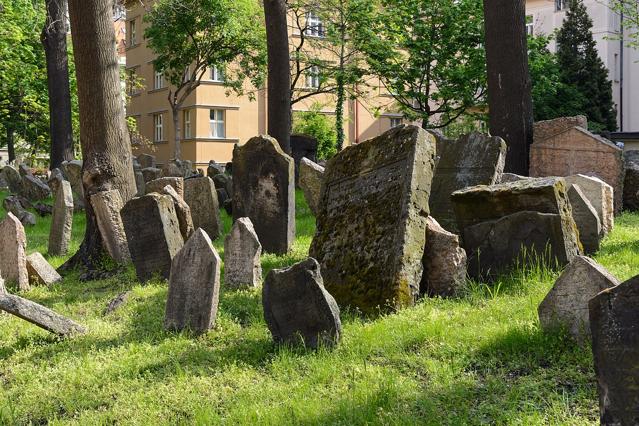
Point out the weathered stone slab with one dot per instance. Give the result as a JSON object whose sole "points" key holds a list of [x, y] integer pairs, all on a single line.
{"points": [[153, 234], [34, 189], [39, 315], [194, 286], [631, 181], [614, 324], [225, 182], [24, 170], [13, 178], [371, 225], [13, 204], [214, 169], [13, 256], [151, 173], [177, 168], [444, 262], [201, 197], [62, 221], [40, 271], [586, 218], [107, 206], [566, 305], [72, 171], [182, 210], [140, 184], [546, 129], [242, 251], [158, 185], [55, 180], [298, 309], [511, 177], [474, 159], [302, 146], [310, 180], [146, 161], [600, 195], [3, 182], [264, 191]]}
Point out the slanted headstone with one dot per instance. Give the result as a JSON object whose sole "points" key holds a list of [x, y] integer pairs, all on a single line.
{"points": [[107, 206], [302, 146], [55, 180], [586, 218], [13, 204], [614, 324], [146, 161], [600, 195], [201, 197], [310, 180], [264, 191], [40, 271], [371, 224], [297, 307], [62, 221], [72, 171], [13, 256], [158, 185], [444, 262], [34, 189], [151, 173], [242, 251], [13, 178], [631, 181], [182, 210], [194, 286], [153, 234]]}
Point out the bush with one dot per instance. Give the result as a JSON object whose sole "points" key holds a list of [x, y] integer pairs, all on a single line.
{"points": [[320, 126]]}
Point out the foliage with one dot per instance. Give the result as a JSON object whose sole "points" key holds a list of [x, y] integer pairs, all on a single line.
{"points": [[320, 126], [630, 11]]}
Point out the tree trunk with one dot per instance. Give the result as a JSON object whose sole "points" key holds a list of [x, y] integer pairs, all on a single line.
{"points": [[279, 73], [10, 144], [104, 138], [54, 40], [509, 86], [339, 112], [176, 131]]}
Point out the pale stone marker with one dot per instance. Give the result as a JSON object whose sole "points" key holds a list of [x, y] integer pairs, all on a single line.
{"points": [[62, 221], [13, 178], [13, 204], [55, 181], [158, 185], [600, 195], [201, 197], [72, 171], [40, 271], [13, 256], [444, 262], [586, 218], [310, 179], [107, 206], [182, 210], [242, 251]]}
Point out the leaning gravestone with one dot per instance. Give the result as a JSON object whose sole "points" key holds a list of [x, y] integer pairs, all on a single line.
{"points": [[371, 224], [600, 195], [242, 251], [13, 178], [297, 307], [55, 180], [310, 180], [158, 185], [13, 247], [444, 262], [182, 210], [13, 204], [107, 206], [614, 324], [34, 189], [151, 173], [146, 160], [201, 197], [72, 171], [631, 181], [586, 218], [264, 191], [153, 234], [566, 305], [40, 271], [194, 286], [62, 221], [302, 146]]}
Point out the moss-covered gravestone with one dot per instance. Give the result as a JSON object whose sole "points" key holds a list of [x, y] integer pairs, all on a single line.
{"points": [[371, 222]]}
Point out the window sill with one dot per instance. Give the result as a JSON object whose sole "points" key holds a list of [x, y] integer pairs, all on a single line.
{"points": [[213, 82], [131, 46], [160, 142], [160, 89]]}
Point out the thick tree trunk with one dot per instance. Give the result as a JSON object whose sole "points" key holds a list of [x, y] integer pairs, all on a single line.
{"points": [[279, 73], [104, 137], [54, 40], [10, 144], [509, 97], [176, 131]]}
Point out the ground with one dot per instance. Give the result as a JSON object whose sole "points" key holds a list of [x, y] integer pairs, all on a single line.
{"points": [[479, 359]]}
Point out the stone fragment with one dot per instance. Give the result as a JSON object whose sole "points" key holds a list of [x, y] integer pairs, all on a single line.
{"points": [[158, 185], [13, 256], [302, 146], [13, 204], [62, 221], [153, 234], [214, 169], [631, 181], [13, 178], [24, 170], [40, 271], [146, 161], [72, 171], [600, 195], [371, 224], [182, 210], [444, 262], [116, 302], [107, 206], [298, 309], [177, 168], [201, 197], [242, 251], [511, 177], [43, 209], [194, 286], [225, 182], [310, 180], [34, 189], [151, 173], [586, 218]]}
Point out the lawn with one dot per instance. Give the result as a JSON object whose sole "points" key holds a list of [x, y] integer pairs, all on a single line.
{"points": [[478, 359]]}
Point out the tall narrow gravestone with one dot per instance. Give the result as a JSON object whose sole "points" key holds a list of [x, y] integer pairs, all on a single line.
{"points": [[264, 191], [62, 221], [371, 223], [13, 257], [201, 196], [242, 250], [107, 206]]}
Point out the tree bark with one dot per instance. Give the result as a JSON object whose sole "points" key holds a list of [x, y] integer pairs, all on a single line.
{"points": [[104, 138], [279, 73], [10, 144], [509, 85], [54, 40], [176, 131]]}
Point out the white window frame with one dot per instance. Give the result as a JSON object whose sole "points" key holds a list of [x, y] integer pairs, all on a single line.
{"points": [[133, 33], [396, 122], [217, 123], [217, 75], [561, 5], [158, 80], [530, 25], [313, 79], [187, 123], [314, 25], [158, 127]]}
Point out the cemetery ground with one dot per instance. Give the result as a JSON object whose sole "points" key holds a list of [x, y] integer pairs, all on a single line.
{"points": [[477, 359]]}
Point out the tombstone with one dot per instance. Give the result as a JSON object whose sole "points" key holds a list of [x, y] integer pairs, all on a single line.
{"points": [[228, 168], [298, 309], [222, 196], [177, 168], [40, 271], [548, 128], [614, 324], [34, 189], [225, 182], [586, 218], [151, 173], [72, 171], [631, 181], [62, 221], [153, 234], [182, 210], [107, 206], [158, 185], [13, 247], [264, 191], [13, 178], [511, 177], [566, 305], [146, 161], [201, 197], [371, 224], [310, 180], [214, 169], [242, 251], [55, 181], [474, 159], [13, 204], [601, 197], [24, 170], [444, 262], [302, 146]]}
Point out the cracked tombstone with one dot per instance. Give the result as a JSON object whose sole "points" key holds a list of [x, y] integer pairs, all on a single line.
{"points": [[182, 210], [201, 197], [242, 251], [62, 221], [13, 247], [107, 206]]}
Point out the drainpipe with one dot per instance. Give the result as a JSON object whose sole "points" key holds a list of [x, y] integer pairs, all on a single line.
{"points": [[621, 49]]}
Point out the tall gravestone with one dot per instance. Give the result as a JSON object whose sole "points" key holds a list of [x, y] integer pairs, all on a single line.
{"points": [[13, 256], [302, 146], [371, 223], [182, 210], [242, 251], [264, 191], [107, 206], [311, 176], [62, 221], [586, 218], [201, 197]]}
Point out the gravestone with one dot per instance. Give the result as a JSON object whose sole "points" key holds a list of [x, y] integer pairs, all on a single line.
{"points": [[13, 178], [614, 324], [225, 182], [298, 309], [72, 171], [548, 128], [55, 180], [158, 185], [600, 195], [153, 234], [242, 251], [214, 169], [264, 191], [13, 204], [151, 173], [24, 170], [62, 221], [302, 146], [566, 305], [310, 180], [444, 262], [631, 181], [371, 224], [183, 212], [201, 197], [586, 218], [34, 189], [107, 206], [40, 271], [194, 286], [13, 256], [146, 161]]}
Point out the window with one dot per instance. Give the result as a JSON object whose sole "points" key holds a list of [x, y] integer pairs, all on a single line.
{"points": [[133, 35], [530, 29], [217, 74], [314, 25], [158, 135], [396, 121], [187, 123], [158, 80], [313, 77], [218, 130], [560, 5]]}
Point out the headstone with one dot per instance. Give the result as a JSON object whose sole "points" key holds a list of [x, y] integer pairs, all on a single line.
{"points": [[13, 178], [264, 191], [310, 180], [62, 221], [13, 204], [201, 197], [55, 181], [586, 218], [631, 181], [34, 189], [24, 170], [183, 212], [222, 196], [40, 271], [548, 128], [614, 324], [298, 309], [146, 161], [225, 182], [242, 251], [566, 305], [302, 146], [444, 262], [214, 169], [173, 168], [158, 185], [72, 171], [13, 256], [474, 159], [600, 195], [153, 234], [107, 206], [194, 286], [371, 225], [511, 177], [228, 168], [151, 173]]}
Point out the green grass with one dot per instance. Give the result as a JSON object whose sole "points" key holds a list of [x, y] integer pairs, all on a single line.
{"points": [[480, 359]]}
